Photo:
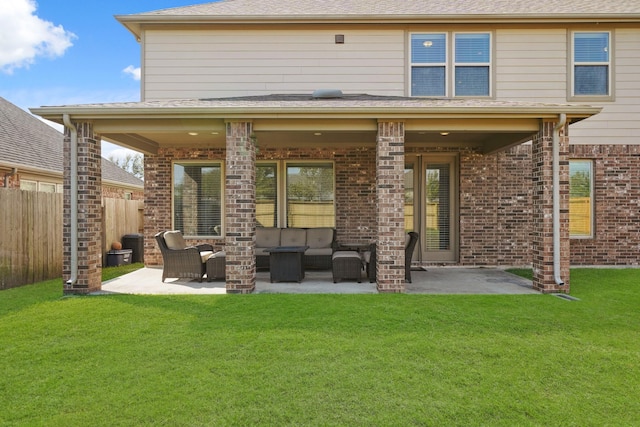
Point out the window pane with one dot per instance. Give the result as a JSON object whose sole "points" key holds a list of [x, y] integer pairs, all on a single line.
{"points": [[28, 185], [408, 198], [591, 80], [473, 48], [472, 81], [580, 198], [310, 195], [197, 199], [591, 47], [428, 81], [437, 203], [46, 187], [428, 48], [266, 195]]}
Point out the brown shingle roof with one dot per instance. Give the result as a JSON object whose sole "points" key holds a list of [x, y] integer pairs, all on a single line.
{"points": [[391, 8], [27, 142]]}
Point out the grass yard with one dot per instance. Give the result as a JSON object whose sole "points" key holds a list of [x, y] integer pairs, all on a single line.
{"points": [[326, 360]]}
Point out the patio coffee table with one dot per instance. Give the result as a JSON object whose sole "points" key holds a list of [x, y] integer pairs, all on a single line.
{"points": [[286, 263]]}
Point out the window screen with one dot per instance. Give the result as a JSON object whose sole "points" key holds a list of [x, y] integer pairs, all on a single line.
{"points": [[591, 56]]}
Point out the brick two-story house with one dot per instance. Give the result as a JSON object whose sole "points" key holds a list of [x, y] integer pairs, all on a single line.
{"points": [[504, 133]]}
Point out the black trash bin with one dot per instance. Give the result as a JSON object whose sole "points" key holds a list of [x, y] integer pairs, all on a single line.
{"points": [[116, 258], [135, 242]]}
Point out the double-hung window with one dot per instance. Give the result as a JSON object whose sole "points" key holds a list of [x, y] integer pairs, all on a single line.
{"points": [[429, 65], [591, 64], [464, 73], [197, 198]]}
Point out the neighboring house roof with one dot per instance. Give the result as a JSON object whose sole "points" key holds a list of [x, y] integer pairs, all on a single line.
{"points": [[28, 143]]}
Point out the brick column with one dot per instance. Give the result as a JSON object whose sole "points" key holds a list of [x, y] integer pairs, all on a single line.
{"points": [[390, 207], [89, 211], [542, 229], [240, 208]]}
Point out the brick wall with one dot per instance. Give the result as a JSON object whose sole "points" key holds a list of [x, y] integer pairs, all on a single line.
{"points": [[89, 211], [617, 204], [495, 207], [111, 192], [495, 200]]}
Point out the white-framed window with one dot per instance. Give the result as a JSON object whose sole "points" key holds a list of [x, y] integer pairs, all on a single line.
{"points": [[28, 185], [46, 187], [466, 72], [581, 198], [198, 198], [429, 64], [591, 64], [295, 194]]}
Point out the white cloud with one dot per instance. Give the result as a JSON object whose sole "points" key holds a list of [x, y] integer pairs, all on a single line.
{"points": [[24, 36], [134, 72]]}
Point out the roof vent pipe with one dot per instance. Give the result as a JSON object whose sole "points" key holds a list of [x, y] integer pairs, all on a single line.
{"points": [[327, 94]]}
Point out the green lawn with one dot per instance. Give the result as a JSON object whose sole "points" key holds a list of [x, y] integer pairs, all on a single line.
{"points": [[383, 360]]}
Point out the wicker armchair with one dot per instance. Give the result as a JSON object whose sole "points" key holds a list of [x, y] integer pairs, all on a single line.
{"points": [[180, 260], [371, 259]]}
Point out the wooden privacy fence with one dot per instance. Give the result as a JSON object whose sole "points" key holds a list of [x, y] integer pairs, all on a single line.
{"points": [[119, 217], [31, 237], [31, 233]]}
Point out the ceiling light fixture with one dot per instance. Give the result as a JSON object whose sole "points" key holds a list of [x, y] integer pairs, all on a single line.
{"points": [[444, 133], [193, 133]]}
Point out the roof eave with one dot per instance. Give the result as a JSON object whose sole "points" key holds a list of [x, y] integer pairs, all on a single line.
{"points": [[375, 112], [135, 23]]}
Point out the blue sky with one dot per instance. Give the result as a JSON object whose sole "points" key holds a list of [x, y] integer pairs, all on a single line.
{"points": [[59, 52]]}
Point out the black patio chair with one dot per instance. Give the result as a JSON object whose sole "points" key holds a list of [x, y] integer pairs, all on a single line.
{"points": [[187, 262], [370, 258]]}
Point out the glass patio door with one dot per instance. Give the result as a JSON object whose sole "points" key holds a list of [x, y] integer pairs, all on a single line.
{"points": [[430, 206]]}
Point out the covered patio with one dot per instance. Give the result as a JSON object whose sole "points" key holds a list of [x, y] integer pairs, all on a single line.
{"points": [[367, 140], [435, 280]]}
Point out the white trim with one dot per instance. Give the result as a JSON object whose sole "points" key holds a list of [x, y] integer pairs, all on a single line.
{"points": [[610, 96]]}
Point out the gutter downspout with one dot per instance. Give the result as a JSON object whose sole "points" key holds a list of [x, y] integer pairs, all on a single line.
{"points": [[8, 175], [74, 200], [556, 198]]}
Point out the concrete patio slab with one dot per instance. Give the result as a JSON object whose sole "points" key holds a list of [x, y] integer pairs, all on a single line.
{"points": [[435, 280]]}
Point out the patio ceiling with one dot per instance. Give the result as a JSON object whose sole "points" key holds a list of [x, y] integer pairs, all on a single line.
{"points": [[300, 120]]}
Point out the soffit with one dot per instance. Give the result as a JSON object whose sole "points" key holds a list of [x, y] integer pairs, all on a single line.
{"points": [[293, 120]]}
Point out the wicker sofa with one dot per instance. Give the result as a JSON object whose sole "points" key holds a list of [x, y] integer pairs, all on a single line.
{"points": [[321, 242]]}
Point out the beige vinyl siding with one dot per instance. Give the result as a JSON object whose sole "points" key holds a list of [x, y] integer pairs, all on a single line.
{"points": [[531, 65], [619, 121], [197, 64]]}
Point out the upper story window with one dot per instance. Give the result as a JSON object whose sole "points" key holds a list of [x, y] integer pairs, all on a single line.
{"points": [[466, 74], [591, 64]]}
